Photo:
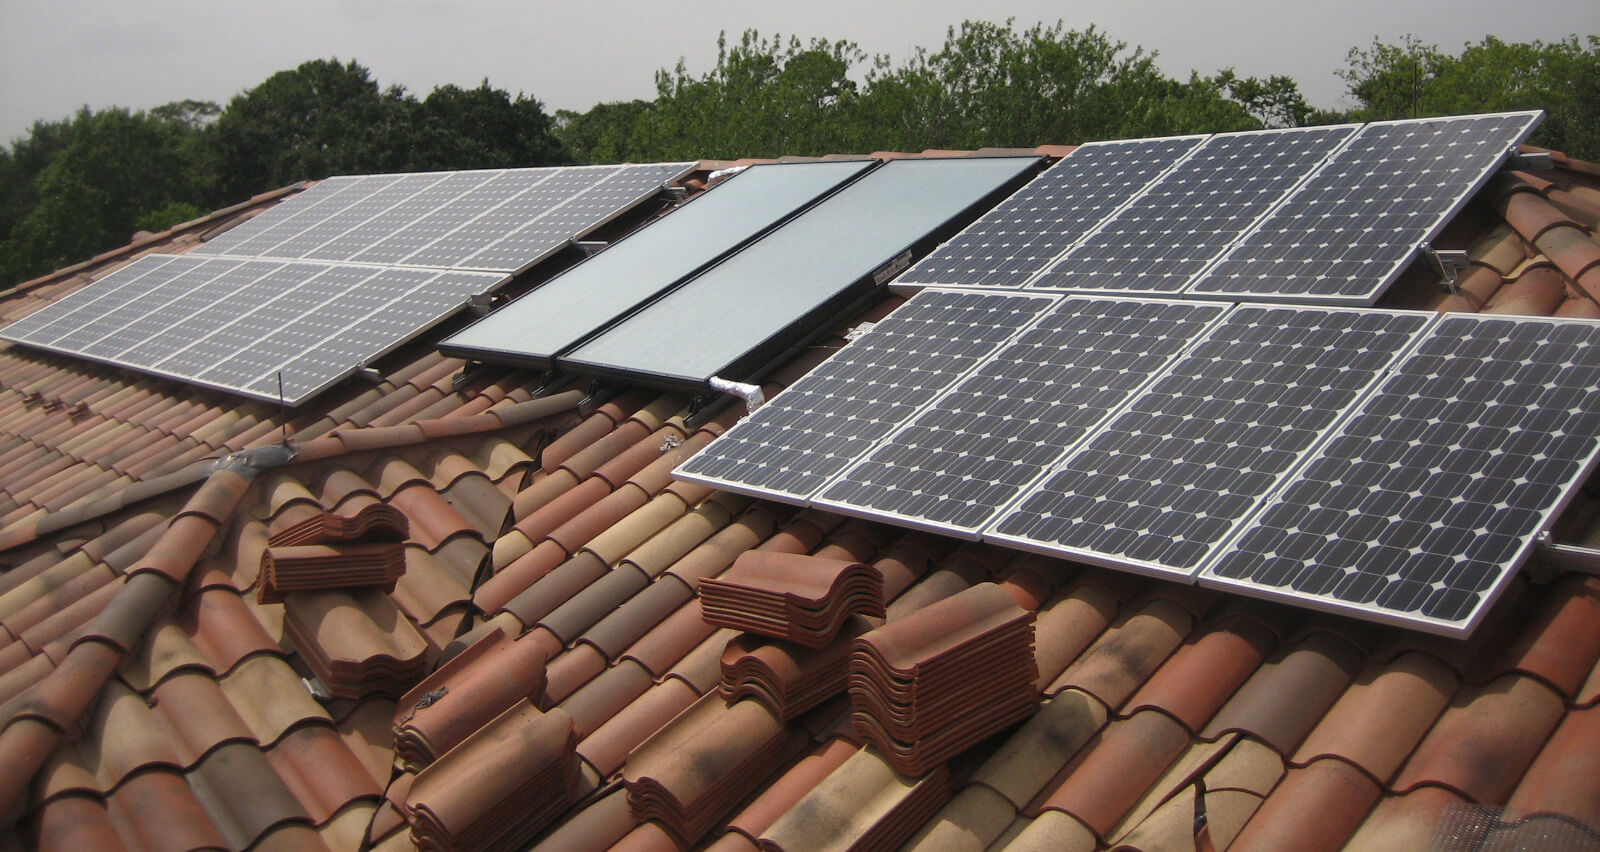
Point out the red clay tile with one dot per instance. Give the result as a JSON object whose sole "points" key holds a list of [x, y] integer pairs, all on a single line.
{"points": [[1066, 625], [1112, 772], [1537, 292], [608, 748], [62, 697], [571, 670], [1485, 741], [592, 828], [1289, 694], [72, 822], [640, 614], [594, 428], [552, 590], [1412, 821], [1383, 715], [321, 772], [784, 792], [158, 811], [1562, 779], [1559, 644], [1317, 807], [605, 695], [465, 694], [1029, 758], [1127, 653], [1205, 672], [648, 837], [1571, 249], [862, 804], [518, 576]]}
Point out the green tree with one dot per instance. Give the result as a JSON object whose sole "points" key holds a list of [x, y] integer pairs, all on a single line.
{"points": [[322, 118], [1414, 79], [456, 128], [115, 167], [607, 133]]}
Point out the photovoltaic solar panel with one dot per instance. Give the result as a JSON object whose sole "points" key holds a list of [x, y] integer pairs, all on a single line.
{"points": [[1420, 507], [46, 324], [976, 448], [1194, 212], [618, 189], [308, 243], [778, 289], [1356, 223], [297, 212], [441, 193], [833, 415], [1025, 233], [238, 310], [1170, 477], [575, 304]]}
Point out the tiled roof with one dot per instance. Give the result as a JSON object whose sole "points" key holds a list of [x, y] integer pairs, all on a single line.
{"points": [[149, 701]]}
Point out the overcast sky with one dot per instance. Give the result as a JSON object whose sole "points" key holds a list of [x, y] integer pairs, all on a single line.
{"points": [[58, 55]]}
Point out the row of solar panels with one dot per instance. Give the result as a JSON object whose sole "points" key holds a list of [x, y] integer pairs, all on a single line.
{"points": [[1391, 465], [305, 294], [502, 220], [1325, 215]]}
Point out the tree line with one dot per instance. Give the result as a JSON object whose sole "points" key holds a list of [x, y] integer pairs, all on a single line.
{"points": [[78, 186]]}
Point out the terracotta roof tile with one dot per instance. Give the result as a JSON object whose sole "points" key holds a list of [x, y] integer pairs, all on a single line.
{"points": [[1112, 772], [1286, 697], [1205, 672], [1127, 653], [1485, 741], [1021, 767]]}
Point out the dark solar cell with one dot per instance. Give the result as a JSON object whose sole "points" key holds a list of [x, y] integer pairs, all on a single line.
{"points": [[832, 416], [1157, 488], [1194, 212], [1025, 233], [973, 450], [1351, 228], [1426, 501]]}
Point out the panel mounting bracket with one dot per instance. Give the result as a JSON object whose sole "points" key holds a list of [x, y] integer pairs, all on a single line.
{"points": [[470, 371], [590, 247], [1449, 263], [480, 304], [1530, 161], [370, 375], [1553, 560]]}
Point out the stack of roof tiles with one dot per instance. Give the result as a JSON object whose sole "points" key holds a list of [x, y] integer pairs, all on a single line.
{"points": [[928, 686], [499, 787], [487, 679], [323, 624], [321, 566], [365, 518], [788, 678], [693, 771], [798, 598]]}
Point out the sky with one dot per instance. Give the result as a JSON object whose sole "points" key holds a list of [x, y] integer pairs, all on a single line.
{"points": [[57, 56]]}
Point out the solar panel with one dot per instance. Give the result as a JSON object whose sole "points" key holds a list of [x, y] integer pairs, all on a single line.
{"points": [[411, 239], [442, 193], [1156, 489], [1356, 223], [617, 188], [416, 300], [169, 305], [1421, 505], [43, 326], [974, 449], [790, 447], [1029, 230], [582, 300], [289, 216], [775, 291], [234, 313], [307, 242], [1194, 212]]}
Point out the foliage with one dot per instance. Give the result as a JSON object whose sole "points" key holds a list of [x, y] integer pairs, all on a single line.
{"points": [[115, 165], [1415, 79], [162, 218], [73, 188]]}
